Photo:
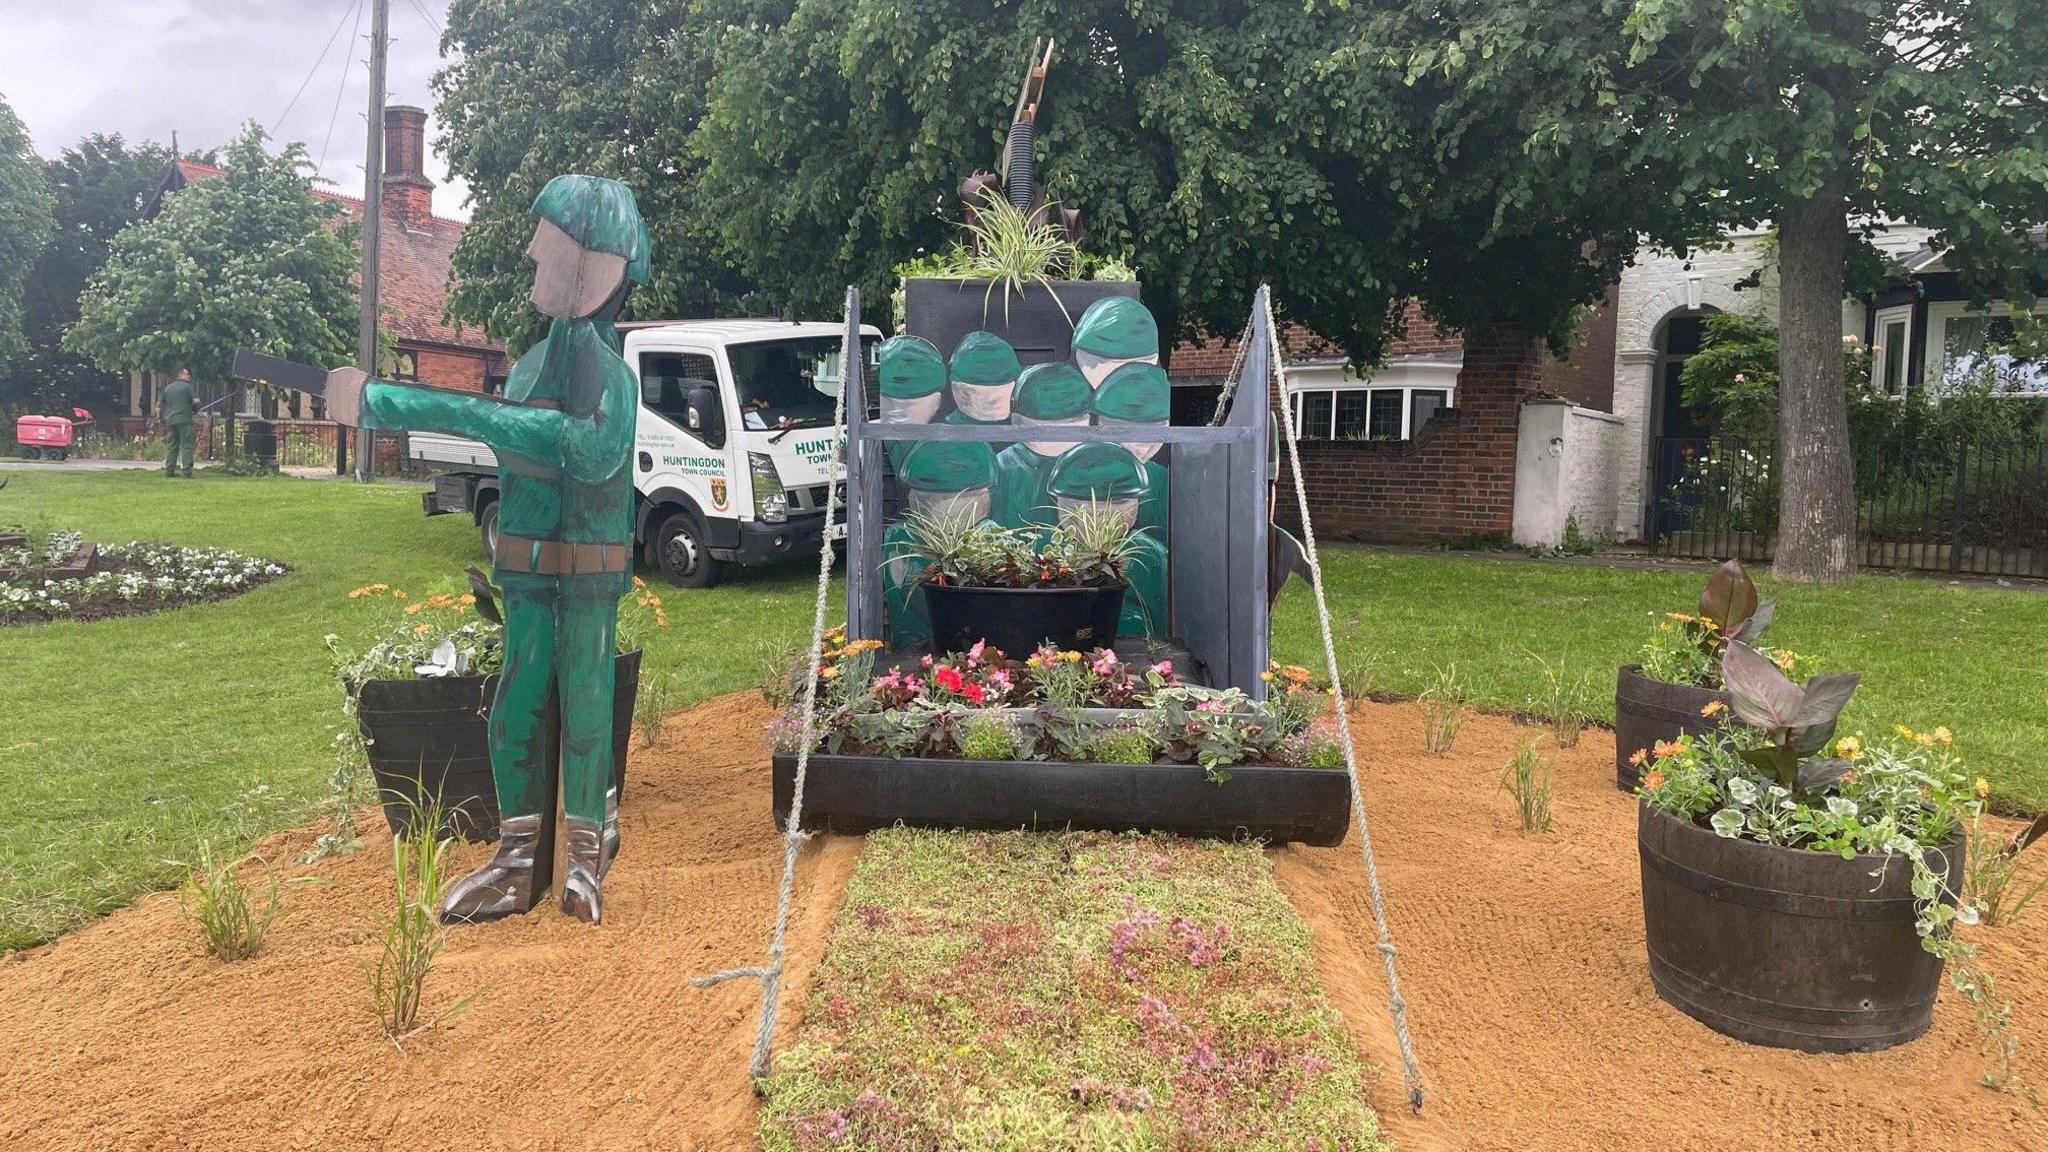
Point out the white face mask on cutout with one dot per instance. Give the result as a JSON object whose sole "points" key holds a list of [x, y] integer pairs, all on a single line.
{"points": [[1050, 447], [1126, 509], [971, 504], [1097, 368], [988, 403], [910, 409]]}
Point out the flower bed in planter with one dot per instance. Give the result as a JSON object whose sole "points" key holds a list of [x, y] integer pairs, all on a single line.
{"points": [[1063, 739], [64, 578]]}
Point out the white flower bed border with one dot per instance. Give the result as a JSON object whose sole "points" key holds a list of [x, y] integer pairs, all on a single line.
{"points": [[170, 573]]}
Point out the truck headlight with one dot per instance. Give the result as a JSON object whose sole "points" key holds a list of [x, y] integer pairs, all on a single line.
{"points": [[771, 503]]}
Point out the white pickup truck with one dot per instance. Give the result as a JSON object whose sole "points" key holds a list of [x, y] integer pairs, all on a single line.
{"points": [[734, 445]]}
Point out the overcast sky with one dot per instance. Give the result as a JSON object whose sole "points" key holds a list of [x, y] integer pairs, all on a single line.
{"points": [[146, 67]]}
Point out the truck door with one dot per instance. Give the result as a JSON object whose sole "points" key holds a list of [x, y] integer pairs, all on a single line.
{"points": [[688, 510]]}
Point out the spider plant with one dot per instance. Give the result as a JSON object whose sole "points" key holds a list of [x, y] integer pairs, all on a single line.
{"points": [[1016, 249]]}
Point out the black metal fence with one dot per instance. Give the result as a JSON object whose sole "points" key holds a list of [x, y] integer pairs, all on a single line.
{"points": [[1977, 506]]}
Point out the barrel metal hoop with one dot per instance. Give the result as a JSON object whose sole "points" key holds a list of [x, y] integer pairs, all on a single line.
{"points": [[1693, 988], [1777, 900]]}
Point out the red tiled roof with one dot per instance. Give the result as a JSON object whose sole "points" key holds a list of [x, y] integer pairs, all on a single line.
{"points": [[1212, 360], [413, 268]]}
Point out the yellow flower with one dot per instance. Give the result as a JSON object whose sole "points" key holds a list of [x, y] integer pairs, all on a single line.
{"points": [[1943, 736], [398, 593], [854, 648], [413, 609], [1924, 739], [1071, 656], [1904, 732], [368, 590], [1785, 660], [1713, 708], [1983, 788], [468, 598], [639, 583], [828, 671], [422, 628], [1266, 676], [660, 618], [1848, 747], [1681, 617]]}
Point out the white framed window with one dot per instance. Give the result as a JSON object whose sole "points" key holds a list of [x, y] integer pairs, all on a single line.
{"points": [[1891, 350], [1393, 404], [1957, 339]]}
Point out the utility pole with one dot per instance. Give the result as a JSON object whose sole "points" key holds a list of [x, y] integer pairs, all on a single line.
{"points": [[373, 218]]}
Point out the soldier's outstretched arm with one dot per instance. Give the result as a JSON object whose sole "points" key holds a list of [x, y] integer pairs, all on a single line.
{"points": [[596, 448], [526, 431]]}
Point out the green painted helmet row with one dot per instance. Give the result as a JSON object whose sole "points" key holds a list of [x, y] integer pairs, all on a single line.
{"points": [[1137, 393], [1094, 471]]}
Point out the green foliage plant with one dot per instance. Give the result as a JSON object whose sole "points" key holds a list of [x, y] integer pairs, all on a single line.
{"points": [[1014, 250], [1995, 878], [1088, 548], [1687, 648], [989, 735], [1444, 703], [660, 694], [1526, 780], [230, 926], [410, 936], [1562, 701], [1122, 743]]}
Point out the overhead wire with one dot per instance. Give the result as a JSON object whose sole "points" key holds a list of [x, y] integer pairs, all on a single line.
{"points": [[339, 89], [317, 61]]}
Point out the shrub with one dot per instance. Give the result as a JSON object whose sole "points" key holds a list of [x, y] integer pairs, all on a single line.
{"points": [[1122, 744], [988, 736], [1443, 709], [229, 925]]}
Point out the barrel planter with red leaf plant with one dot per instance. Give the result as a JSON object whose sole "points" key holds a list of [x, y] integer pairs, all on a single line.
{"points": [[1794, 898], [1652, 709]]}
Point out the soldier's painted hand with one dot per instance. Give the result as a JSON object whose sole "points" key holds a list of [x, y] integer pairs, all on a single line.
{"points": [[345, 395]]}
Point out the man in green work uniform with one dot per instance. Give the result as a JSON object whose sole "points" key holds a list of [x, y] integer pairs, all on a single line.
{"points": [[985, 369], [1100, 475], [911, 376], [1114, 331], [179, 408], [1137, 393], [563, 433], [1048, 395], [948, 480]]}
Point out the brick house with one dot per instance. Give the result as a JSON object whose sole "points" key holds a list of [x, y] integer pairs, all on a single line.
{"points": [[414, 250], [1424, 447]]}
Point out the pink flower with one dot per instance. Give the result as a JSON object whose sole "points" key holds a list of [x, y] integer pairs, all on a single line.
{"points": [[1105, 664], [974, 653], [1211, 706], [926, 662], [1164, 667]]}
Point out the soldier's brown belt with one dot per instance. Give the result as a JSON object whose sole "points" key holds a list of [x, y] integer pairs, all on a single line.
{"points": [[559, 557]]}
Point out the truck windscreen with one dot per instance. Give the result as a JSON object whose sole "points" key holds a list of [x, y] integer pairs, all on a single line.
{"points": [[791, 383]]}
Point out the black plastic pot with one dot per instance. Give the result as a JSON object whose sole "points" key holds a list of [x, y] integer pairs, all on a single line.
{"points": [[1647, 711], [1786, 947], [944, 310], [433, 735], [864, 793], [1018, 620]]}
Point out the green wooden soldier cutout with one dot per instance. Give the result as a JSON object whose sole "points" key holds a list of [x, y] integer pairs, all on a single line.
{"points": [[947, 479], [1105, 474], [985, 369], [1114, 331], [911, 376], [1047, 395], [1139, 393], [563, 433]]}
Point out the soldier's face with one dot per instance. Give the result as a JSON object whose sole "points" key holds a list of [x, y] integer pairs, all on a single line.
{"points": [[1050, 447], [570, 280], [988, 403], [1097, 368]]}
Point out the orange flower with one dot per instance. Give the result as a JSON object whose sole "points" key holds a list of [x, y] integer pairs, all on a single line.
{"points": [[1713, 708], [1665, 748], [1641, 754], [1653, 781]]}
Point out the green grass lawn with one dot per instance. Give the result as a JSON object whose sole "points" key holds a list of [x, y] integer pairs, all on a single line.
{"points": [[1077, 990], [1973, 658], [125, 742]]}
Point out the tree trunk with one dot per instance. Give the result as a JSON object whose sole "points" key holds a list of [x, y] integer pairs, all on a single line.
{"points": [[1817, 498]]}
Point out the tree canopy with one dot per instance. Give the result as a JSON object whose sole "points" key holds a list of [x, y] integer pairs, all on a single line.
{"points": [[25, 226], [97, 187], [248, 259]]}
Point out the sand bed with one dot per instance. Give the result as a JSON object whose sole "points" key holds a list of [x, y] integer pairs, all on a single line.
{"points": [[1523, 962]]}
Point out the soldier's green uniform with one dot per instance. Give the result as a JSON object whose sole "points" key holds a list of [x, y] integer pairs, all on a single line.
{"points": [[1115, 330], [1139, 393], [181, 409], [945, 479], [911, 376], [984, 370], [1107, 474], [563, 434], [1047, 395]]}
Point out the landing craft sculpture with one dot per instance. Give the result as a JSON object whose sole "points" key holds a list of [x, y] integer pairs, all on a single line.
{"points": [[563, 432]]}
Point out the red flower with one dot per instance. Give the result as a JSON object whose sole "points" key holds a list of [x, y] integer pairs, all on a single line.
{"points": [[948, 678], [974, 693]]}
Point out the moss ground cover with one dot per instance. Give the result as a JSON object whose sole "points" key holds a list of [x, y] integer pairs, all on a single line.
{"points": [[1086, 991]]}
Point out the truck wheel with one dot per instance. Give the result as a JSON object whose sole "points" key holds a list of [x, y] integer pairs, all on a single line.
{"points": [[31, 452], [679, 547], [487, 526], [59, 454]]}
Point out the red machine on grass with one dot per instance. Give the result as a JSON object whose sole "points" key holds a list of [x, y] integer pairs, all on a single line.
{"points": [[50, 437]]}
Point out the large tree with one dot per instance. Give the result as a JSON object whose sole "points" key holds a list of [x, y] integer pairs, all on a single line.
{"points": [[1825, 116], [98, 187], [251, 259], [25, 225], [537, 88]]}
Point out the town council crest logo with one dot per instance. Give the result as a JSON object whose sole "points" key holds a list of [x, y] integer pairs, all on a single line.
{"points": [[718, 493]]}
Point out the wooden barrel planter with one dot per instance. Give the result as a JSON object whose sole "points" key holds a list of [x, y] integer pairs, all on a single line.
{"points": [[433, 735], [1785, 947], [1018, 620], [1647, 711]]}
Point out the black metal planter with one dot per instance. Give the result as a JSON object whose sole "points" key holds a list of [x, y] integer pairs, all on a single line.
{"points": [[1647, 711], [863, 793], [1042, 331], [433, 735], [1785, 947], [1018, 620]]}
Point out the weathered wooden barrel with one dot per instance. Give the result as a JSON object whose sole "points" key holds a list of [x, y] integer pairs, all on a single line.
{"points": [[1786, 947], [432, 736], [1647, 711]]}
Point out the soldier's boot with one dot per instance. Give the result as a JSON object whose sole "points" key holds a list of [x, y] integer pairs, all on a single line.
{"points": [[611, 831], [510, 883], [584, 843]]}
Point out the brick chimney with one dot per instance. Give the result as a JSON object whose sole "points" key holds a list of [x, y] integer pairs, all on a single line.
{"points": [[408, 194]]}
